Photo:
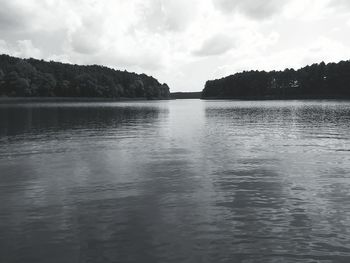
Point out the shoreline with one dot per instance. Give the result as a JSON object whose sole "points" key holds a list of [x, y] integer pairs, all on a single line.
{"points": [[9, 100], [14, 100], [272, 98]]}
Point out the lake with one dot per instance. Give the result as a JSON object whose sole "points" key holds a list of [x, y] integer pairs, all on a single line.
{"points": [[175, 181]]}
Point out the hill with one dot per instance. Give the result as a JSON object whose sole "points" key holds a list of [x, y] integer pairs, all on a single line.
{"points": [[316, 81], [38, 78]]}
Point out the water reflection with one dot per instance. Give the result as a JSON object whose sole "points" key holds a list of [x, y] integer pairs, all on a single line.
{"points": [[45, 118], [178, 181], [293, 161]]}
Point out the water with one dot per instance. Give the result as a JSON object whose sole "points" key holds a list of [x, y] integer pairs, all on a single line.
{"points": [[175, 181]]}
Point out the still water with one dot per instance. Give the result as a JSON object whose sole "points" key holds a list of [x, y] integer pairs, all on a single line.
{"points": [[175, 181]]}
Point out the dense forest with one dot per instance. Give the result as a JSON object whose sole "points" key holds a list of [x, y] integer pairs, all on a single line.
{"points": [[38, 78], [316, 81]]}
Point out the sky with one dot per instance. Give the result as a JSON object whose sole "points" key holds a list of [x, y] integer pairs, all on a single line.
{"points": [[182, 43]]}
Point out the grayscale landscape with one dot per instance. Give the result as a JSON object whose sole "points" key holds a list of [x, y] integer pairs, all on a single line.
{"points": [[174, 131]]}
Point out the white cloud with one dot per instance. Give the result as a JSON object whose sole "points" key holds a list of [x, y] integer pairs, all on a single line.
{"points": [[321, 49], [168, 15], [181, 42], [310, 10], [252, 8], [3, 47], [340, 4], [216, 45], [21, 48]]}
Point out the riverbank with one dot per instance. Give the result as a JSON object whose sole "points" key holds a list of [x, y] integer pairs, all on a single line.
{"points": [[279, 98], [9, 100]]}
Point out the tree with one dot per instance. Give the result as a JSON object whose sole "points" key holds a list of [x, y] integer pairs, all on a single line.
{"points": [[318, 80], [43, 85], [59, 79], [2, 83], [2, 75], [22, 87]]}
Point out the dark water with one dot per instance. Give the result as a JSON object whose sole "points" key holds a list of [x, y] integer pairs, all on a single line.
{"points": [[175, 181]]}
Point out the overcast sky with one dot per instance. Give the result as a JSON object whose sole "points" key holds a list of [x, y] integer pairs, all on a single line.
{"points": [[180, 42]]}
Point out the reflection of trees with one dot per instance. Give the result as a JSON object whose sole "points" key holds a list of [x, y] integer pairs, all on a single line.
{"points": [[79, 198], [40, 119], [294, 118]]}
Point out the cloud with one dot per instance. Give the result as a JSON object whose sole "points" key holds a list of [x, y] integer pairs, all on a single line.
{"points": [[3, 46], [7, 20], [21, 48], [86, 38], [216, 45], [12, 16], [325, 49], [164, 38], [167, 15], [251, 8], [339, 4], [320, 49]]}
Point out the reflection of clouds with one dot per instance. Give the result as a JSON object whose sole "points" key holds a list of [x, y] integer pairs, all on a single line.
{"points": [[183, 181], [277, 214], [254, 204], [154, 214], [156, 223], [282, 126], [279, 176], [67, 169]]}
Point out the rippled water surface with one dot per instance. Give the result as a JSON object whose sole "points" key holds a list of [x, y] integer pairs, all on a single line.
{"points": [[175, 181]]}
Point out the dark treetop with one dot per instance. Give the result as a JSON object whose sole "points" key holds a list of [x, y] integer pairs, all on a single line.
{"points": [[316, 81], [38, 78]]}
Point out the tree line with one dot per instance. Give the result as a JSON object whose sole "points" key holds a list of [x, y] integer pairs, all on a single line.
{"points": [[316, 81], [38, 78]]}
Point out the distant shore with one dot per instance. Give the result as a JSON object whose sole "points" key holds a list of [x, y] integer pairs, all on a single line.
{"points": [[279, 98], [9, 100], [186, 95], [13, 100]]}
